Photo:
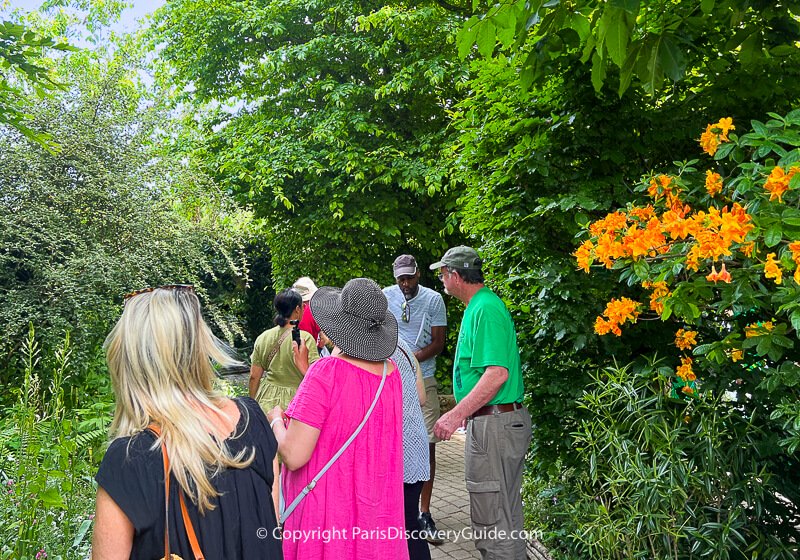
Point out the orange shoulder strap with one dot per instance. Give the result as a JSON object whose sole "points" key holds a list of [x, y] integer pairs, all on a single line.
{"points": [[187, 522]]}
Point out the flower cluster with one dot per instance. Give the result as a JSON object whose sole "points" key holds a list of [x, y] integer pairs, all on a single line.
{"points": [[772, 270], [778, 182], [758, 329], [686, 246], [685, 372], [722, 276], [713, 183], [659, 294], [617, 312], [641, 233], [664, 186], [685, 340], [715, 134], [794, 247], [714, 232]]}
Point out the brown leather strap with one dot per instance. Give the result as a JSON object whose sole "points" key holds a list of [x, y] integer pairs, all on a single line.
{"points": [[410, 361], [496, 409], [187, 522], [274, 351]]}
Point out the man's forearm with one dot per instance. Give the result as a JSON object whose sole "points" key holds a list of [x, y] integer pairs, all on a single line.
{"points": [[490, 382], [435, 347], [484, 391], [431, 350]]}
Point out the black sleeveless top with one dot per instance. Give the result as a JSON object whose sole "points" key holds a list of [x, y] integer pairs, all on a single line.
{"points": [[242, 525]]}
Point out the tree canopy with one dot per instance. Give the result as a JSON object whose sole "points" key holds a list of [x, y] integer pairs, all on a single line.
{"points": [[328, 119], [21, 53]]}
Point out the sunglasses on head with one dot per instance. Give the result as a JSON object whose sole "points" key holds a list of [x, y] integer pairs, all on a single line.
{"points": [[176, 287]]}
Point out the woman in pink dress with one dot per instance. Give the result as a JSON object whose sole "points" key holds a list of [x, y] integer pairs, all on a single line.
{"points": [[355, 510]]}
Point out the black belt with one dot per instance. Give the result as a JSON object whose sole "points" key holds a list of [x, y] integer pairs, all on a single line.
{"points": [[496, 409]]}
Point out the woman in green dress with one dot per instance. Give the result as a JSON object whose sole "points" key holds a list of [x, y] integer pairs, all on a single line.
{"points": [[279, 357], [284, 362]]}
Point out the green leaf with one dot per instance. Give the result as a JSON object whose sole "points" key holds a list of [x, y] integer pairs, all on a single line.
{"points": [[672, 59], [486, 38], [706, 6], [615, 30], [506, 21], [750, 48], [642, 269], [81, 533], [783, 50], [763, 346], [759, 127], [630, 6], [654, 76], [580, 24], [52, 499], [598, 71], [773, 235], [702, 349], [723, 151], [626, 72], [466, 36]]}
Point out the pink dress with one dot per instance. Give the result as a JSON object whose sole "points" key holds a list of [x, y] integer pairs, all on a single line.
{"points": [[357, 506]]}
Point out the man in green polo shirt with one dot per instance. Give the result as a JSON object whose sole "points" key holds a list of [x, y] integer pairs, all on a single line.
{"points": [[487, 385]]}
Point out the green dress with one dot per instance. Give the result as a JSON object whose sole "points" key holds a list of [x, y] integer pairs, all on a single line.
{"points": [[281, 376]]}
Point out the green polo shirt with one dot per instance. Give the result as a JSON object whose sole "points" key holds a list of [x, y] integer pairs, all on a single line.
{"points": [[487, 338]]}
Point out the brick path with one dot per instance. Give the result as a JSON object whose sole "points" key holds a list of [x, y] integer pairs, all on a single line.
{"points": [[450, 506], [450, 502]]}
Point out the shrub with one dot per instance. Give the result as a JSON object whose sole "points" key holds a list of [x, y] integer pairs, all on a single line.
{"points": [[705, 257], [47, 459]]}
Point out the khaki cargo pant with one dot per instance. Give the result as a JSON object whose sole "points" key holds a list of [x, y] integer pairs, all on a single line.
{"points": [[494, 459]]}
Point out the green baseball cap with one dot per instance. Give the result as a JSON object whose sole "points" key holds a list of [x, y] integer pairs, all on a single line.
{"points": [[461, 257]]}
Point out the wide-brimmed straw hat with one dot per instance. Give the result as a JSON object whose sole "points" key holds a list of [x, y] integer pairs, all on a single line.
{"points": [[357, 319]]}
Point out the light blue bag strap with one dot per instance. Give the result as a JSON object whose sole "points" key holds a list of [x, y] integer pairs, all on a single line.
{"points": [[285, 513]]}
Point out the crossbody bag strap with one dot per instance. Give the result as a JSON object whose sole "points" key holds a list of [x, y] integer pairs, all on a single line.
{"points": [[412, 363], [274, 351], [187, 522], [310, 486], [157, 431]]}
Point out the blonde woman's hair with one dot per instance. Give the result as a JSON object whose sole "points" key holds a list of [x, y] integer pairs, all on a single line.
{"points": [[160, 356]]}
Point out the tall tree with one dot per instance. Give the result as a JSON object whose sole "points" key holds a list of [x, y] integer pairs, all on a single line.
{"points": [[105, 214], [652, 44], [335, 122]]}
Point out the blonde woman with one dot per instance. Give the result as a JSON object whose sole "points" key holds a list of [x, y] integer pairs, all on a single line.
{"points": [[220, 450]]}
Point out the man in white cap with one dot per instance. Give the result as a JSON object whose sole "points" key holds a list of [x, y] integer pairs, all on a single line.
{"points": [[422, 322], [487, 385]]}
